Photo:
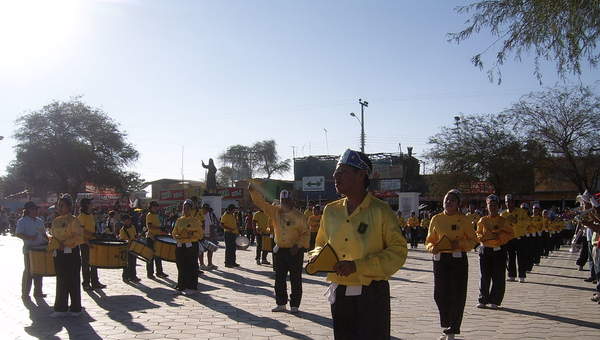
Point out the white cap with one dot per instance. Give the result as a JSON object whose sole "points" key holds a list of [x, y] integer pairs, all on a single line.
{"points": [[284, 194]]}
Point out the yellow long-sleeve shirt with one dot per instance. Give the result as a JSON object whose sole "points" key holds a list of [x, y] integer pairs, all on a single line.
{"points": [[188, 229], [229, 223], [67, 231], [494, 231], [455, 228], [413, 222], [262, 222], [536, 224], [289, 226], [425, 223], [153, 226], [370, 237], [128, 233], [314, 222], [519, 219], [401, 222], [89, 226], [474, 218]]}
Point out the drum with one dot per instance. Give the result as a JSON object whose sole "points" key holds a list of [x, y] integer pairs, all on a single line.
{"points": [[108, 254], [242, 242], [164, 248], [141, 249], [267, 243], [41, 261], [206, 245]]}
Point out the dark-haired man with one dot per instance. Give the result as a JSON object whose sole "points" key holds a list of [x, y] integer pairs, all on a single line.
{"points": [[31, 230], [88, 221]]}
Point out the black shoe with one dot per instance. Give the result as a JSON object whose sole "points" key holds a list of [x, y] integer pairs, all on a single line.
{"points": [[258, 262], [162, 275], [39, 295], [265, 262], [589, 279], [200, 272], [229, 266], [236, 265], [125, 280], [151, 277], [86, 287], [136, 279], [98, 286]]}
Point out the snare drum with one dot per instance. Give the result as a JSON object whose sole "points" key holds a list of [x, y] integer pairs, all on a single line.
{"points": [[242, 242], [205, 245], [164, 248], [267, 243], [141, 249], [108, 254], [41, 261]]}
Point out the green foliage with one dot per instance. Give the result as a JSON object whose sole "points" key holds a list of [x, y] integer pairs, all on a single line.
{"points": [[65, 144], [241, 162], [563, 31], [267, 159], [566, 121]]}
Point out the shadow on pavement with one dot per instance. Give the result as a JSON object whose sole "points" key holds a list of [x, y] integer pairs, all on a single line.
{"points": [[419, 258], [242, 279], [240, 315], [239, 287], [119, 306], [556, 275], [416, 270], [45, 327], [405, 280], [557, 267], [271, 274], [562, 286], [562, 319], [165, 295], [323, 321]]}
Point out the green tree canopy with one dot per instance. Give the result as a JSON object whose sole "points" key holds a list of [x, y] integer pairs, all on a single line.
{"points": [[563, 31], [66, 144], [242, 162]]}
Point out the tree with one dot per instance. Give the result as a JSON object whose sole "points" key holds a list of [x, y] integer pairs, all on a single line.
{"points": [[566, 120], [239, 159], [484, 148], [267, 159], [224, 176], [563, 31], [65, 144]]}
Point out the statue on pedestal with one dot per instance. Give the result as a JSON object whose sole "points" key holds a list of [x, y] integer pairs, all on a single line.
{"points": [[211, 177]]}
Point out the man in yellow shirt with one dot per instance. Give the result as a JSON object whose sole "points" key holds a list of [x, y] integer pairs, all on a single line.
{"points": [[129, 233], [493, 232], [187, 232], [230, 226], [536, 226], [292, 238], [89, 273], [261, 225], [364, 233], [413, 228], [516, 248], [314, 222], [153, 229]]}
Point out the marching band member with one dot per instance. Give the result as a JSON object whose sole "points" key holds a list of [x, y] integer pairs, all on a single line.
{"points": [[450, 265], [365, 235], [292, 238], [413, 226], [230, 226], [187, 232], [129, 233], [89, 273], [536, 223], [493, 232], [261, 222], [517, 247], [472, 213], [31, 230], [154, 229], [210, 220], [67, 236]]}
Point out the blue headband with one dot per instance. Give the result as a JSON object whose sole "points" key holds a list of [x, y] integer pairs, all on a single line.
{"points": [[353, 159]]}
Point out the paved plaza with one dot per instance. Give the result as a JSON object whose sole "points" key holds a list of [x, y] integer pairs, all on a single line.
{"points": [[236, 304]]}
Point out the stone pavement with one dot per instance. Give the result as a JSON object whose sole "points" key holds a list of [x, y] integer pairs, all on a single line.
{"points": [[236, 303]]}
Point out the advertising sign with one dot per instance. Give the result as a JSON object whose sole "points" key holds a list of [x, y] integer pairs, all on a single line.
{"points": [[313, 183]]}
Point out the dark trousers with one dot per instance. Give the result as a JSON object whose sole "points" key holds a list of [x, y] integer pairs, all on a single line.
{"points": [[593, 273], [186, 260], [492, 265], [129, 272], [546, 244], [450, 275], [89, 273], [28, 278], [250, 235], [517, 258], [366, 316], [313, 240], [414, 237], [529, 251], [230, 248], [260, 254], [538, 249], [67, 268], [583, 254], [284, 262], [150, 264]]}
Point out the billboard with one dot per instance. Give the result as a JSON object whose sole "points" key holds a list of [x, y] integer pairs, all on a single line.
{"points": [[313, 183]]}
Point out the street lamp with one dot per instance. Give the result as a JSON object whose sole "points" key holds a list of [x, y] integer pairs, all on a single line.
{"points": [[361, 120]]}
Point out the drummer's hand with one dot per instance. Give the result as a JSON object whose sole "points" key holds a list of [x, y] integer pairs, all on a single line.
{"points": [[345, 268]]}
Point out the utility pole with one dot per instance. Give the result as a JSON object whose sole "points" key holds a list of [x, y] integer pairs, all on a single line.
{"points": [[362, 123]]}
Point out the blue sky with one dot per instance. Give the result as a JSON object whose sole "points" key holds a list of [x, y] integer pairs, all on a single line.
{"points": [[209, 74]]}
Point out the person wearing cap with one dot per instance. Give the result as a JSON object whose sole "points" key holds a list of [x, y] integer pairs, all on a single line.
{"points": [[413, 226], [450, 236], [230, 226], [67, 236], [261, 224], [30, 229], [493, 232], [364, 233], [516, 248], [89, 273], [187, 232], [314, 222], [153, 229], [292, 238]]}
